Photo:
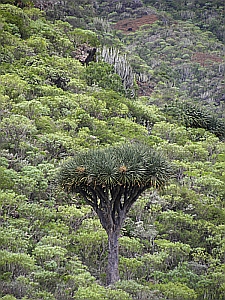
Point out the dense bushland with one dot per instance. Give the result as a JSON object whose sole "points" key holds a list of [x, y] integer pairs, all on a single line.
{"points": [[52, 245]]}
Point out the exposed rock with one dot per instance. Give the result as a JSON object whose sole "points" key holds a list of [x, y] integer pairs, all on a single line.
{"points": [[85, 54]]}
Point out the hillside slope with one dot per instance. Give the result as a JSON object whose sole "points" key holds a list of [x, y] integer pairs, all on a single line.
{"points": [[52, 245], [175, 50]]}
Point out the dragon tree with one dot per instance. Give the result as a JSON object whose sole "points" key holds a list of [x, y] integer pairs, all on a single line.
{"points": [[110, 180]]}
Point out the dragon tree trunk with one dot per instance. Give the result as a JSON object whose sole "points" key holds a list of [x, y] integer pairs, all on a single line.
{"points": [[113, 256]]}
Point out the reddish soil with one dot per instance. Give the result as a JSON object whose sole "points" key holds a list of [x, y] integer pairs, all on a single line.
{"points": [[132, 25], [205, 59], [145, 89]]}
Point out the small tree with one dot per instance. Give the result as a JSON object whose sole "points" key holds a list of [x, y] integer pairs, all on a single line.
{"points": [[111, 180]]}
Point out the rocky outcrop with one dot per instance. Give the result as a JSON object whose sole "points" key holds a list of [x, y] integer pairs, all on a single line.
{"points": [[85, 54]]}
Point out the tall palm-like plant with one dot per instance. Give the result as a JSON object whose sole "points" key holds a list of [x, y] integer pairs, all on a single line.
{"points": [[111, 180]]}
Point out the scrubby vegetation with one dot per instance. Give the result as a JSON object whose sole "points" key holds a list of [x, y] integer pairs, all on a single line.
{"points": [[52, 107]]}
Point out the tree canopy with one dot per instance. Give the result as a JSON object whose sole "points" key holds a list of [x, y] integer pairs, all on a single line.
{"points": [[111, 180]]}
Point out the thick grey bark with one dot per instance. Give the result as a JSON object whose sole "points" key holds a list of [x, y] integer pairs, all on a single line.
{"points": [[112, 208], [112, 226], [113, 257]]}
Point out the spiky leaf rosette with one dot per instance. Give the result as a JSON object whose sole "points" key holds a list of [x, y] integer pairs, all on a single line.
{"points": [[111, 180], [127, 165]]}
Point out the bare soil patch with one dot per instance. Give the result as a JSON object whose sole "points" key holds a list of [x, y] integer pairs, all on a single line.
{"points": [[145, 88], [132, 25], [205, 59]]}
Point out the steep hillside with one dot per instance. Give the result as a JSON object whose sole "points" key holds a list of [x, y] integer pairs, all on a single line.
{"points": [[171, 57], [55, 103], [175, 50], [207, 15]]}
